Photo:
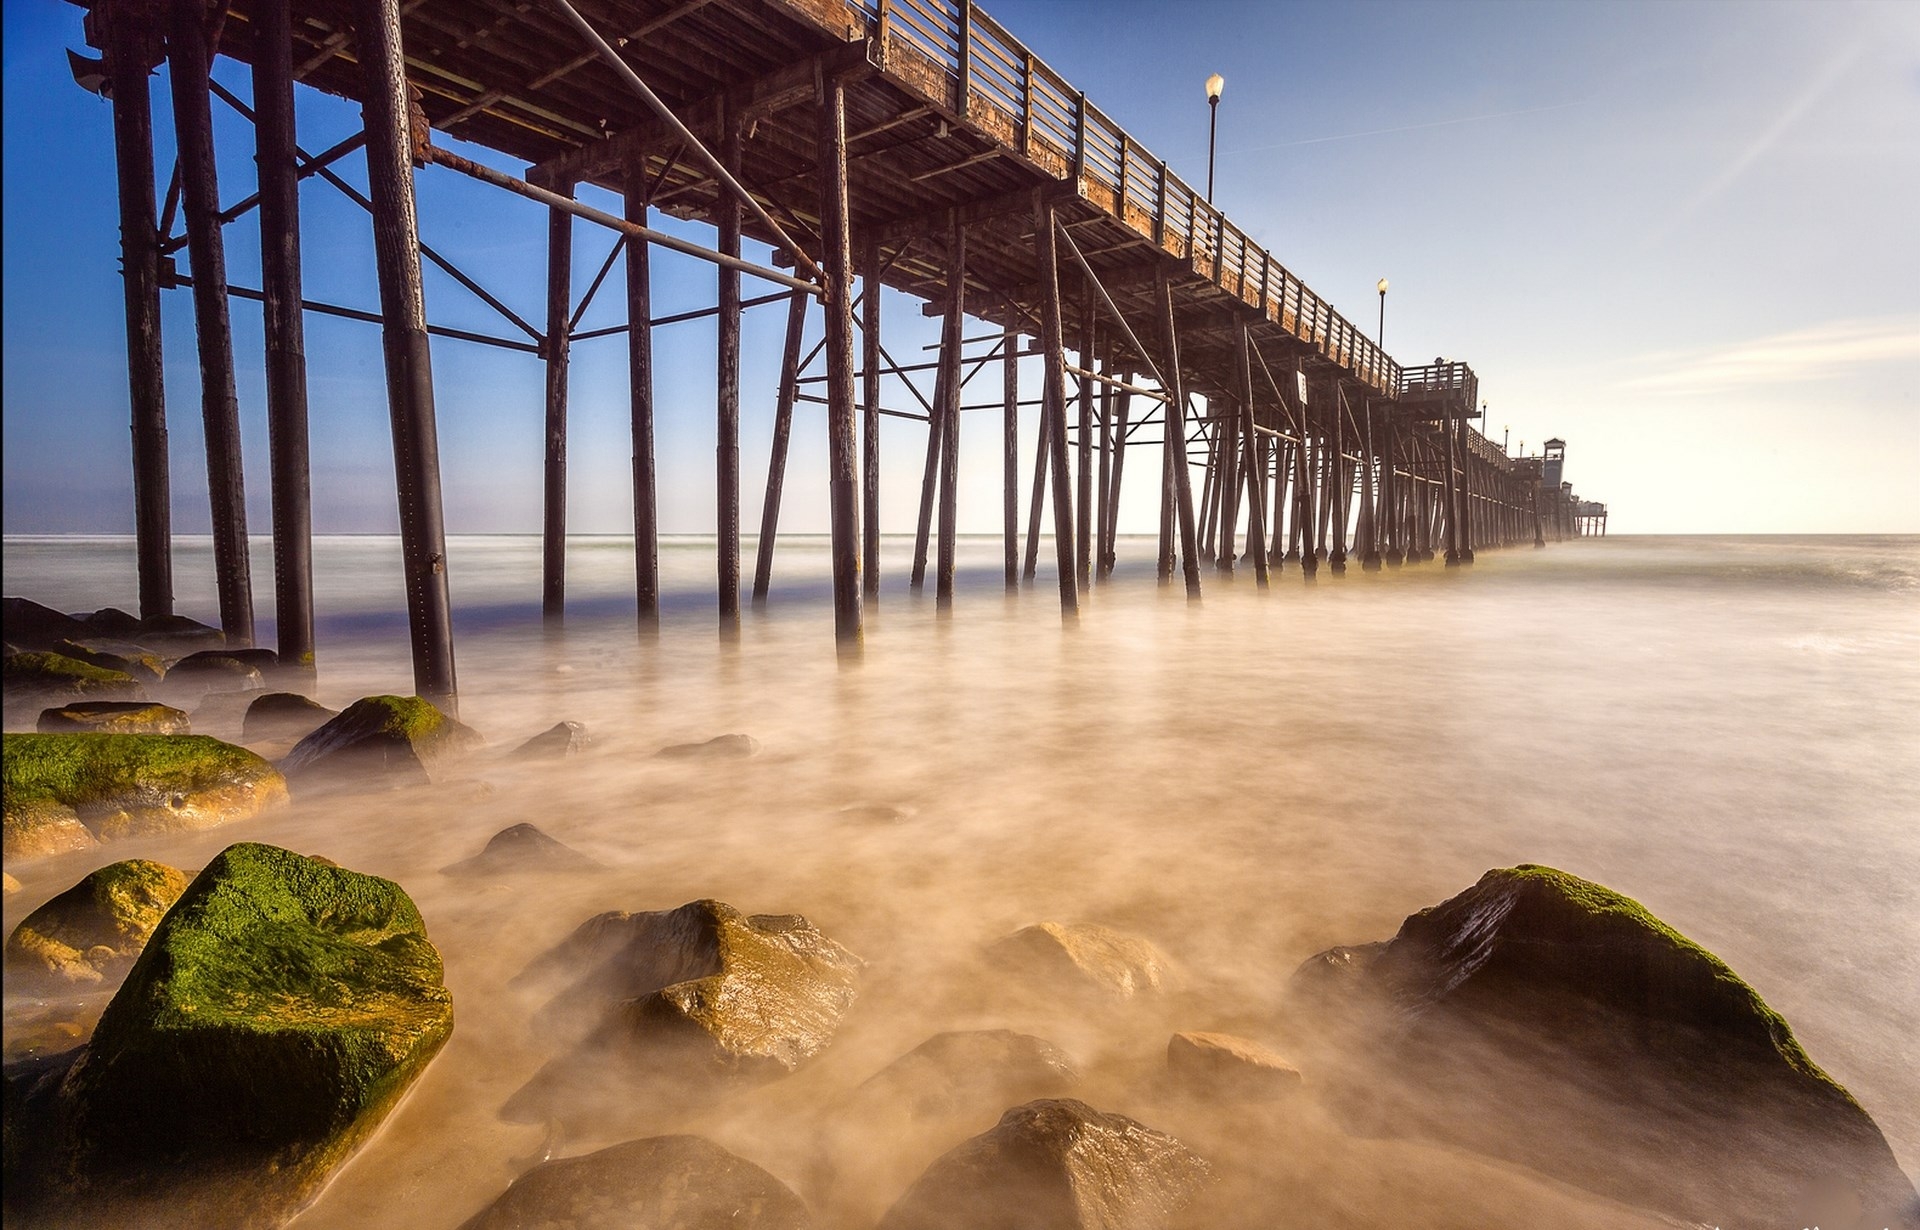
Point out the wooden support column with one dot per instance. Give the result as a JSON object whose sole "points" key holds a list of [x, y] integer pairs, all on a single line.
{"points": [[1083, 518], [837, 265], [556, 349], [646, 517], [936, 441], [1255, 471], [1124, 407], [1370, 498], [727, 446], [273, 128], [416, 444], [1465, 492], [1104, 426], [1390, 491], [1042, 459], [1010, 431], [777, 458], [1170, 449], [950, 413], [1227, 486], [870, 418], [1338, 483], [189, 58], [1452, 488], [1053, 346], [132, 47], [1303, 476], [1176, 416], [1209, 491]]}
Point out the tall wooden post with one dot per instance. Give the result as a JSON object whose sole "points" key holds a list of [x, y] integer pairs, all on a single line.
{"points": [[936, 442], [1227, 485], [1104, 498], [1465, 492], [1042, 457], [1083, 513], [190, 57], [777, 459], [1370, 498], [557, 348], [1118, 436], [837, 250], [646, 517], [727, 446], [287, 442], [870, 417], [1053, 344], [1176, 415], [1010, 449], [950, 412], [1170, 446], [1303, 487], [416, 444], [1250, 444], [132, 46], [1337, 481], [1390, 491], [1452, 495]]}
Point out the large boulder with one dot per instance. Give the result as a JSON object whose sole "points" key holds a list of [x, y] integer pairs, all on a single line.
{"points": [[1086, 958], [522, 848], [277, 1014], [1550, 1021], [171, 634], [115, 717], [284, 715], [32, 626], [1224, 1067], [661, 1183], [1055, 1164], [113, 786], [137, 661], [214, 671], [91, 933], [36, 680], [380, 741]]}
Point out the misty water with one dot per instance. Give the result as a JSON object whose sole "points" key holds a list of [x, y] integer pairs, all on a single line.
{"points": [[1727, 729]]}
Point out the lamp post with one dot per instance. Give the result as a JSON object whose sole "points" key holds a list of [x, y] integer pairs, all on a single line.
{"points": [[1215, 84], [1379, 337]]}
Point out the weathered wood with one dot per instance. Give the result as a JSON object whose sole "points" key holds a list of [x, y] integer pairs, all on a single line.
{"points": [[936, 442], [870, 415], [1255, 468], [1083, 512], [1337, 484], [646, 516], [777, 457], [1176, 414], [727, 446], [1010, 449], [557, 349], [1053, 348], [189, 63], [950, 413], [1104, 425], [416, 444], [1109, 557], [837, 253], [1042, 456]]}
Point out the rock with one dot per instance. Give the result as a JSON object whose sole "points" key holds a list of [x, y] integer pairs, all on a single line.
{"points": [[12, 885], [284, 715], [1055, 1164], [32, 626], [721, 747], [1086, 956], [112, 621], [556, 743], [1336, 971], [92, 932], [1224, 1066], [661, 1183], [692, 994], [37, 680], [962, 1072], [216, 670], [171, 632], [115, 717], [140, 663], [1550, 1021], [522, 848], [876, 813], [278, 1013], [266, 661], [114, 786], [380, 741]]}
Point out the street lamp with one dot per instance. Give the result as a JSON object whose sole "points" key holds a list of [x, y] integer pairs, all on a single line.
{"points": [[1380, 337], [1215, 84]]}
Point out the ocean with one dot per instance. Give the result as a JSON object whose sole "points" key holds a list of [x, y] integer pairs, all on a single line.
{"points": [[1725, 728]]}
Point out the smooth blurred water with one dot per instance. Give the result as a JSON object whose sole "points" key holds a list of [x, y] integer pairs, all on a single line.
{"points": [[1726, 728]]}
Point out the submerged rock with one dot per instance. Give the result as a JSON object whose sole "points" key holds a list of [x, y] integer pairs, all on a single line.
{"points": [[380, 741], [555, 743], [113, 786], [522, 848], [284, 715], [1224, 1066], [115, 717], [961, 1072], [1553, 1022], [278, 1013], [92, 932], [661, 1183], [1087, 957], [1055, 1164], [720, 747]]}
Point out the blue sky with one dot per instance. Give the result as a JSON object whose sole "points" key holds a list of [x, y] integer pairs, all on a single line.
{"points": [[1679, 235]]}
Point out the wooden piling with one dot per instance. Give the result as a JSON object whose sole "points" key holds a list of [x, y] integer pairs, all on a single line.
{"points": [[870, 417], [1176, 416], [1083, 513], [646, 517], [1255, 471], [727, 445], [1053, 347], [557, 348], [949, 424], [777, 455], [837, 248], [1010, 450]]}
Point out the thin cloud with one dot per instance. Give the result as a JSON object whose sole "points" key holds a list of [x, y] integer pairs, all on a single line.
{"points": [[1783, 358], [1381, 132]]}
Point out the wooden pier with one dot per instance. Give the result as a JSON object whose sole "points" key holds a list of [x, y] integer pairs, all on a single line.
{"points": [[914, 144]]}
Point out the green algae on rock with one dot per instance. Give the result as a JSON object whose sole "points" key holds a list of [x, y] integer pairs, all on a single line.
{"points": [[37, 678], [1551, 1021], [92, 933], [116, 786], [660, 1183], [115, 717], [380, 741], [277, 1014]]}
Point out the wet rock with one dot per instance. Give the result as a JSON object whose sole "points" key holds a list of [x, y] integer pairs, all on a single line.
{"points": [[32, 626], [115, 717], [721, 747], [1335, 972], [702, 991], [1223, 1066], [140, 663], [283, 715], [522, 848], [170, 634], [114, 786], [380, 741], [279, 1011], [965, 1071], [91, 933], [11, 885], [555, 743], [661, 1183], [216, 670], [1055, 1164], [1550, 1021], [111, 621], [1086, 956], [37, 680]]}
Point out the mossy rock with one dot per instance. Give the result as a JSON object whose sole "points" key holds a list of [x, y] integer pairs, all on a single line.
{"points": [[39, 678], [92, 933], [1556, 1023], [115, 717], [1086, 958], [380, 741], [284, 715], [136, 661], [128, 785], [661, 1183], [1055, 1164], [277, 1014], [37, 828]]}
